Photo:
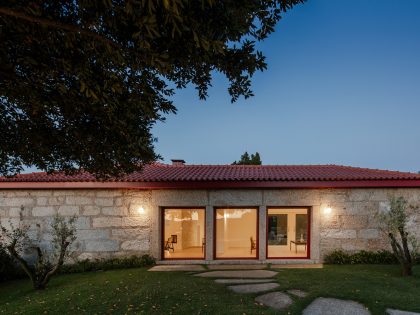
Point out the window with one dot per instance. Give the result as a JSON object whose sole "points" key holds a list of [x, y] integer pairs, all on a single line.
{"points": [[287, 232], [236, 233], [183, 233]]}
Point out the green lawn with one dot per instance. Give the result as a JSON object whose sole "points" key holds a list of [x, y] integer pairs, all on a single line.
{"points": [[136, 291]]}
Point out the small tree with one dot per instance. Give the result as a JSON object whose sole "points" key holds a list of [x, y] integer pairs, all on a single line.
{"points": [[16, 241], [393, 223], [246, 159]]}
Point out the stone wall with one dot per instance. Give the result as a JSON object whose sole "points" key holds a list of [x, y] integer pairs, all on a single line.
{"points": [[109, 223]]}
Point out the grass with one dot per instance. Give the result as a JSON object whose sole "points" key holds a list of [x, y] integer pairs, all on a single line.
{"points": [[137, 291]]}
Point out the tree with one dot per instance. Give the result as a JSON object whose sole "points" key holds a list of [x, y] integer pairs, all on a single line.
{"points": [[83, 82], [393, 223], [16, 241], [254, 159]]}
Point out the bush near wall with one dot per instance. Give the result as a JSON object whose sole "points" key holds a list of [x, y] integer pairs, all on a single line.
{"points": [[9, 270], [339, 257]]}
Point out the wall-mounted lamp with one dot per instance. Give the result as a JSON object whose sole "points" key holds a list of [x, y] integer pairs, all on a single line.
{"points": [[327, 210], [140, 210]]}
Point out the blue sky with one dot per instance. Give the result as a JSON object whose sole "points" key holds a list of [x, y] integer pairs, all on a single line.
{"points": [[342, 87]]}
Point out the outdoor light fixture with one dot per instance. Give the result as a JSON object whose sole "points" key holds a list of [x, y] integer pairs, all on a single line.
{"points": [[140, 210], [327, 210]]}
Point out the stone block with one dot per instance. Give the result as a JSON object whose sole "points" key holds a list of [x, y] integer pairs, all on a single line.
{"points": [[121, 211], [101, 245], [235, 197], [2, 212], [68, 210], [82, 223], [91, 210], [107, 222], [131, 233], [43, 211], [16, 202], [9, 223], [104, 202], [78, 200], [353, 221], [369, 233], [136, 245], [338, 233], [135, 221], [109, 193], [56, 201], [92, 234], [42, 201], [168, 198]]}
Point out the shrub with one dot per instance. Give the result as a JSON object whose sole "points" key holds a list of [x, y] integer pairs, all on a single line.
{"points": [[109, 264], [339, 257], [8, 268]]}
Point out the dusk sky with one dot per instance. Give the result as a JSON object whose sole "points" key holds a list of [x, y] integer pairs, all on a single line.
{"points": [[342, 87]]}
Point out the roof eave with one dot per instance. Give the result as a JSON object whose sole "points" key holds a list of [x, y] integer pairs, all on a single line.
{"points": [[214, 184]]}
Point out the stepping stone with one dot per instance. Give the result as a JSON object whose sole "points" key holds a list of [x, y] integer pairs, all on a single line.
{"points": [[237, 281], [276, 300], [328, 306], [298, 293], [235, 267], [253, 274], [177, 268], [297, 266], [398, 312], [253, 288]]}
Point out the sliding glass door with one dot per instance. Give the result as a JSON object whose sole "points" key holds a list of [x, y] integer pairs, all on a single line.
{"points": [[287, 232], [236, 233], [183, 233]]}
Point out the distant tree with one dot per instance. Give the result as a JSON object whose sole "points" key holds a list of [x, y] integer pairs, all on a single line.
{"points": [[83, 82], [246, 159], [393, 223]]}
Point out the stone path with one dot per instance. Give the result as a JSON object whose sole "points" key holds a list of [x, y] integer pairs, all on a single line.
{"points": [[276, 300], [236, 267], [324, 306], [253, 287], [398, 312], [177, 268], [241, 281], [255, 274]]}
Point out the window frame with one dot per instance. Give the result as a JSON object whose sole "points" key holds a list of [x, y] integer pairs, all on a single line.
{"points": [[257, 241], [162, 229], [308, 229]]}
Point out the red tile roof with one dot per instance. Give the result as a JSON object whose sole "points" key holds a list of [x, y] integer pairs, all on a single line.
{"points": [[161, 173]]}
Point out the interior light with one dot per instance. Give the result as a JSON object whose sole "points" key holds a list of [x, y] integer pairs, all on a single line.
{"points": [[140, 210]]}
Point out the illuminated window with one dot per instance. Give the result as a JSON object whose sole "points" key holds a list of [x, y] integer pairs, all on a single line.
{"points": [[183, 233], [287, 232], [236, 233]]}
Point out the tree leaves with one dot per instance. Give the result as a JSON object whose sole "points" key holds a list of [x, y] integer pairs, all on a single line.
{"points": [[83, 82]]}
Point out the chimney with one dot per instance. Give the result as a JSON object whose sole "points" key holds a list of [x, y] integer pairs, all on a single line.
{"points": [[178, 162]]}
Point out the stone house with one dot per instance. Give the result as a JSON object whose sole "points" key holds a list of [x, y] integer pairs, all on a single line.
{"points": [[214, 213]]}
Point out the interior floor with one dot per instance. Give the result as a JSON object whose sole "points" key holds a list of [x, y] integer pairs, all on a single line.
{"points": [[191, 252], [240, 252], [284, 251]]}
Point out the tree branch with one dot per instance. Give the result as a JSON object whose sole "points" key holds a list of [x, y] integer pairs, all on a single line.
{"points": [[12, 250], [54, 24]]}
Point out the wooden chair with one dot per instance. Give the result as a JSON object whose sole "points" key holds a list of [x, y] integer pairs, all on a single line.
{"points": [[170, 243], [203, 244], [253, 244]]}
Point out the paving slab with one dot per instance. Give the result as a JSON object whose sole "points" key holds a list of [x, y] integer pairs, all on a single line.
{"points": [[177, 268], [328, 306], [253, 274], [298, 293], [275, 300], [236, 267], [241, 281], [253, 288], [297, 266], [391, 311]]}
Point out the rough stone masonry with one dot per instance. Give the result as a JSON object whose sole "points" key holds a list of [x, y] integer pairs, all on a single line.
{"points": [[109, 223]]}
